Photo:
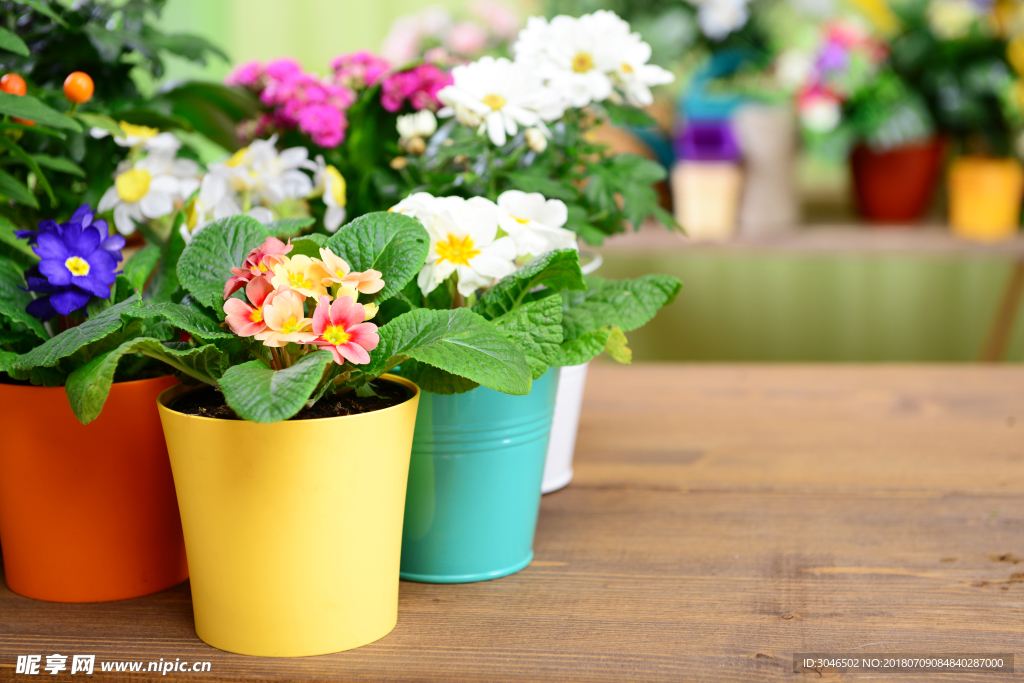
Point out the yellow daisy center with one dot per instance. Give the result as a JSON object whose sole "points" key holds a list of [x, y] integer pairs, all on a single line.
{"points": [[336, 334], [493, 101], [291, 326], [626, 68], [133, 185], [582, 62], [337, 185], [77, 265], [133, 131], [457, 251]]}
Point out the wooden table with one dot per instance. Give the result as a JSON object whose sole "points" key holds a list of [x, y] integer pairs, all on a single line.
{"points": [[722, 518]]}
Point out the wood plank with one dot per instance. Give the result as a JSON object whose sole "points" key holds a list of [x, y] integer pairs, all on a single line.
{"points": [[721, 519]]}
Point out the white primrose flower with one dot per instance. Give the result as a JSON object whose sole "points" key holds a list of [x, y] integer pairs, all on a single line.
{"points": [[534, 223], [143, 190], [504, 94], [216, 200], [463, 241], [331, 184], [150, 139], [271, 177], [718, 18], [585, 58]]}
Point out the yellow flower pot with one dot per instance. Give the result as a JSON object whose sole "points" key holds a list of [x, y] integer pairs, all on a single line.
{"points": [[985, 198], [293, 530]]}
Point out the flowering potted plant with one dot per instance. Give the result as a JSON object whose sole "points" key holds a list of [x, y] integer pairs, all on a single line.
{"points": [[293, 544], [966, 62], [66, 321], [852, 102]]}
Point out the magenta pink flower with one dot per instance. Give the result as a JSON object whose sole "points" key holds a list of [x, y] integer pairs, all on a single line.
{"points": [[247, 75], [359, 69], [280, 69], [419, 86], [323, 123], [340, 329], [244, 319], [260, 261]]}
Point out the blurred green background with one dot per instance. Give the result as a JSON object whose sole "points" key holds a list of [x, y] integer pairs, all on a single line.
{"points": [[735, 305]]}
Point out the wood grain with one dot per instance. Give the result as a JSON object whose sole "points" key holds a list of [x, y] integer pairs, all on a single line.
{"points": [[721, 519]]}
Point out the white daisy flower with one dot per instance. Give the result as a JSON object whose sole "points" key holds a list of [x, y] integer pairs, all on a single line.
{"points": [[635, 76], [504, 94], [534, 223], [141, 191], [463, 241], [585, 59], [578, 56], [331, 184]]}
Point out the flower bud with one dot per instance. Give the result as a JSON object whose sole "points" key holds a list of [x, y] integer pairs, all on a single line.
{"points": [[467, 116], [415, 146], [398, 163], [536, 140]]}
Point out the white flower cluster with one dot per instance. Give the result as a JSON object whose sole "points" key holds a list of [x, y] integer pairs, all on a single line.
{"points": [[252, 181], [481, 241], [151, 181], [567, 62]]}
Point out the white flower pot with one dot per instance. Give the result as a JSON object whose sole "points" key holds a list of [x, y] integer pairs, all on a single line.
{"points": [[562, 445]]}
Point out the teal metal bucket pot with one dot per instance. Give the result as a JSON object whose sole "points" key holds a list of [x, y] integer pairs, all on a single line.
{"points": [[474, 483]]}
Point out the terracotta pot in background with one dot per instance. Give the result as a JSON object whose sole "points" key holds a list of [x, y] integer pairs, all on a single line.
{"points": [[896, 186], [985, 198], [87, 512]]}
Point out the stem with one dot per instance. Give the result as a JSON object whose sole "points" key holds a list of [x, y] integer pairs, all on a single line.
{"points": [[246, 201], [276, 358]]}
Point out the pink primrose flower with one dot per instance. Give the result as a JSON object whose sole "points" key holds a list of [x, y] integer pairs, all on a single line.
{"points": [[260, 261], [340, 329], [246, 319], [286, 321]]}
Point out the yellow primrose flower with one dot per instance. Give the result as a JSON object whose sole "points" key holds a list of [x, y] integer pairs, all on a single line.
{"points": [[299, 274]]}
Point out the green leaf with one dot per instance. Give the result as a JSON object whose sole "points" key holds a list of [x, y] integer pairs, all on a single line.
{"points": [[536, 330], [583, 348], [28, 107], [50, 352], [308, 245], [394, 244], [617, 348], [627, 115], [102, 122], [8, 237], [287, 227], [44, 9], [548, 186], [13, 299], [188, 318], [556, 270], [140, 266], [456, 341], [626, 304], [12, 43], [59, 164], [16, 190], [206, 263], [260, 394], [89, 385], [428, 378], [33, 166]]}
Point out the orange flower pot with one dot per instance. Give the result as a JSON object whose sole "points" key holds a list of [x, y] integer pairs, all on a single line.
{"points": [[985, 198], [87, 512]]}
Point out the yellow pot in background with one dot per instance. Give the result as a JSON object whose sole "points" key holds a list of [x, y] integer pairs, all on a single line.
{"points": [[985, 198], [293, 530]]}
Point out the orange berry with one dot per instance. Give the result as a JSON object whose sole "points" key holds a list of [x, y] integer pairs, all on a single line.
{"points": [[24, 122], [78, 87], [13, 84]]}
